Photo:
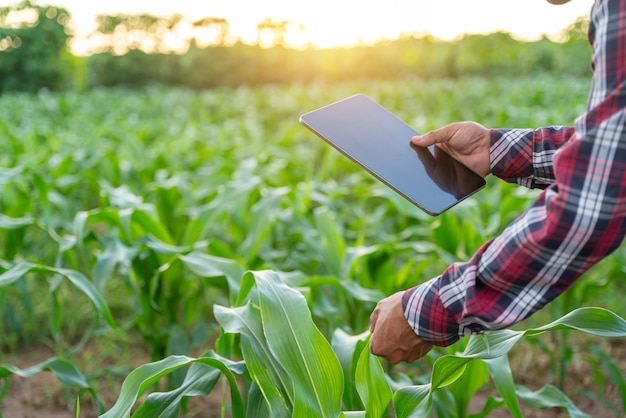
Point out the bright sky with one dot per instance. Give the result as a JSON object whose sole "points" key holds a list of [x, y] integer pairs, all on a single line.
{"points": [[343, 22]]}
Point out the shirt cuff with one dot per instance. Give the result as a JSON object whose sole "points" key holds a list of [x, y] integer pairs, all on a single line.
{"points": [[425, 313], [511, 155]]}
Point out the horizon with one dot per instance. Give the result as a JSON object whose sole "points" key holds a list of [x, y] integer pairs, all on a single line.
{"points": [[330, 23]]}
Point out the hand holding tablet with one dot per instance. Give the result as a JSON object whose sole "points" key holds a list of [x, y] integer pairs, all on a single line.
{"points": [[379, 142]]}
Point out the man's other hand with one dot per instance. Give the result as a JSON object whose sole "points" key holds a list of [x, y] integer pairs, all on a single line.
{"points": [[392, 336]]}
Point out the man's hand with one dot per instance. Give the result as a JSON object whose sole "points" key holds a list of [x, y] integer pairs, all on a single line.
{"points": [[467, 142], [392, 336]]}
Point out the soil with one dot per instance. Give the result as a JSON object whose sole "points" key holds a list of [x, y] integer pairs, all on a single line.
{"points": [[44, 396]]}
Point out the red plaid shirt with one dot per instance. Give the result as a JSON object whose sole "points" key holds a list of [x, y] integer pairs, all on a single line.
{"points": [[578, 219]]}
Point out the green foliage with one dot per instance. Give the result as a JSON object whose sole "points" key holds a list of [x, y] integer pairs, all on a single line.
{"points": [[299, 374], [212, 222], [33, 50], [133, 52], [241, 64], [416, 401]]}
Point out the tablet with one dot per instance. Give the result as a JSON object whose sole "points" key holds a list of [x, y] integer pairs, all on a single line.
{"points": [[378, 141]]}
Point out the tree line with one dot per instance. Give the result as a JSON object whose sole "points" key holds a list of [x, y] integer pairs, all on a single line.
{"points": [[136, 50]]}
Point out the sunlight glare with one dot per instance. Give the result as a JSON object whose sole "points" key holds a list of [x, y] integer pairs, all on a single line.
{"points": [[329, 23]]}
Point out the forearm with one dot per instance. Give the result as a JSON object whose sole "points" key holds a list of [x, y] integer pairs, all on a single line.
{"points": [[533, 261], [574, 223]]}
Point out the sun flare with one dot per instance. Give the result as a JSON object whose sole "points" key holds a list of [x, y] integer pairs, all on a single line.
{"points": [[329, 23]]}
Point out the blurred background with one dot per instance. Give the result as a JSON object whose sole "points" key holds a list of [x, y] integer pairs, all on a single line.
{"points": [[75, 44]]}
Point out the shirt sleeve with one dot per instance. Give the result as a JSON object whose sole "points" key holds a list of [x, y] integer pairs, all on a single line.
{"points": [[577, 220], [526, 156]]}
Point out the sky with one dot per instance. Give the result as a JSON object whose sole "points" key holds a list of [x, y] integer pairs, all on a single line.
{"points": [[343, 22]]}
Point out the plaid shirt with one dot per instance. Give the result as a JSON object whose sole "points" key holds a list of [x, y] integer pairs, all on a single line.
{"points": [[578, 219]]}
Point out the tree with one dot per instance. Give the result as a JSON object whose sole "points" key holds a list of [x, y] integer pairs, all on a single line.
{"points": [[33, 48], [211, 27], [274, 29]]}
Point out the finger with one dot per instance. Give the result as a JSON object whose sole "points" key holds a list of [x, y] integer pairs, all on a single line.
{"points": [[373, 319], [436, 136]]}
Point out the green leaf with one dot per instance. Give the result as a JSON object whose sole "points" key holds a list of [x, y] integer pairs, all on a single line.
{"points": [[348, 348], [448, 369], [268, 373], [161, 247], [491, 404], [205, 265], [333, 245], [66, 372], [147, 219], [263, 215], [476, 375], [19, 270], [7, 222], [351, 288], [140, 379], [198, 382], [500, 372], [352, 255], [595, 321], [300, 348], [371, 384], [8, 174], [55, 319], [257, 407], [413, 401], [549, 397], [15, 273], [115, 253], [612, 368], [491, 345]]}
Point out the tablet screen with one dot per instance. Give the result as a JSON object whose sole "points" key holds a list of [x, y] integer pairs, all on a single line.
{"points": [[379, 141]]}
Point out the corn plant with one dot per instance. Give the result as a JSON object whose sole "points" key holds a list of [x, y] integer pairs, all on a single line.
{"points": [[291, 369]]}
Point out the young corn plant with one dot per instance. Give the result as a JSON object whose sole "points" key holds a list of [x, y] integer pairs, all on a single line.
{"points": [[64, 370], [290, 368]]}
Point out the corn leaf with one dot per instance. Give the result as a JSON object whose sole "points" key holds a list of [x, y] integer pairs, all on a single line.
{"points": [[372, 385], [66, 372], [549, 397], [463, 389], [413, 401], [140, 379], [274, 383], [205, 265], [19, 270], [7, 222], [300, 348], [348, 348], [198, 382], [502, 376], [447, 369]]}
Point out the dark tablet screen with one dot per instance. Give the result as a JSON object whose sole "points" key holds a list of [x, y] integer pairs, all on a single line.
{"points": [[379, 141]]}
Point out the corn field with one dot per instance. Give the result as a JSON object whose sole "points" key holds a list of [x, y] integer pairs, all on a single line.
{"points": [[161, 247]]}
